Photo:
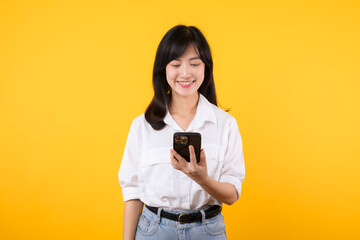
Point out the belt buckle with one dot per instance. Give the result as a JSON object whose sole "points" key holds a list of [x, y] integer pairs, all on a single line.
{"points": [[179, 218]]}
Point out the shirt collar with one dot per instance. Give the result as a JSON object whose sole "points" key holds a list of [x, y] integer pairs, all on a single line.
{"points": [[204, 113]]}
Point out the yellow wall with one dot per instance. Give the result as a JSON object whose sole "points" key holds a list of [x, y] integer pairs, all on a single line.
{"points": [[73, 75]]}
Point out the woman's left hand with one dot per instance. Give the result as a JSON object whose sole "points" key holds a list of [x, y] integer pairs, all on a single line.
{"points": [[221, 191], [196, 171]]}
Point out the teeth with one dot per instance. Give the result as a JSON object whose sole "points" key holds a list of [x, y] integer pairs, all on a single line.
{"points": [[185, 83]]}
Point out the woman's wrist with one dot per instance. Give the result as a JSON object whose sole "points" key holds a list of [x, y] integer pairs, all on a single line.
{"points": [[204, 181]]}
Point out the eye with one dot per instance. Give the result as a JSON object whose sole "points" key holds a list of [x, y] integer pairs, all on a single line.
{"points": [[175, 63], [195, 64]]}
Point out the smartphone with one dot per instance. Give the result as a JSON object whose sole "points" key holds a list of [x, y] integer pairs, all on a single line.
{"points": [[182, 141]]}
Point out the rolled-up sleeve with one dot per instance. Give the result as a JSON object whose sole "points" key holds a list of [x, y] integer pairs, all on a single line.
{"points": [[128, 172], [233, 170]]}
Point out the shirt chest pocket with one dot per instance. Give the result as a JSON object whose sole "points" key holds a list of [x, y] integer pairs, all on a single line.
{"points": [[156, 172], [214, 160]]}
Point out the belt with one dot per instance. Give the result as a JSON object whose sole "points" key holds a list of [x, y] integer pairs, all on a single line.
{"points": [[188, 217]]}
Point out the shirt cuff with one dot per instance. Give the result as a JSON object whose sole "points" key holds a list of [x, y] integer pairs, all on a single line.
{"points": [[130, 193], [233, 181]]}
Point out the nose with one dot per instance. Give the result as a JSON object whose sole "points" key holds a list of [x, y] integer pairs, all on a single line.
{"points": [[185, 71]]}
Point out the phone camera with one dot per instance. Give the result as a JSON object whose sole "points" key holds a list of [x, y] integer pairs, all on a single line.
{"points": [[181, 139], [184, 139]]}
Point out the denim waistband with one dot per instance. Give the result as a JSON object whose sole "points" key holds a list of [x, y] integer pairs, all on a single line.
{"points": [[156, 217]]}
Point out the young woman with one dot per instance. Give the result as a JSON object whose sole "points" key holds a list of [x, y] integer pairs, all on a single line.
{"points": [[182, 199]]}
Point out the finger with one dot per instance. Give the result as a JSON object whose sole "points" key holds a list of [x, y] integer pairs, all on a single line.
{"points": [[192, 155], [202, 157], [175, 164], [173, 161], [178, 157], [172, 155]]}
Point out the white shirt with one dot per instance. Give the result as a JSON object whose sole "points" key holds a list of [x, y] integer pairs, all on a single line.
{"points": [[146, 173]]}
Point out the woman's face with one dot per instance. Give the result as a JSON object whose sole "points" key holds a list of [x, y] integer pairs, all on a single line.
{"points": [[186, 73]]}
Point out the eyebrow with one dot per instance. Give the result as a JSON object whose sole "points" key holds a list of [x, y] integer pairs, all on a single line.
{"points": [[194, 58]]}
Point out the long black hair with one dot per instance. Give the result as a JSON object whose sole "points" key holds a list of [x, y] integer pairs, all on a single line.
{"points": [[172, 46]]}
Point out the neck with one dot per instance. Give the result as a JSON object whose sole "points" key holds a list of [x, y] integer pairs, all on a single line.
{"points": [[183, 105]]}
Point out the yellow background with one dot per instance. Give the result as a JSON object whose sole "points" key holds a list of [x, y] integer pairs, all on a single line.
{"points": [[73, 75]]}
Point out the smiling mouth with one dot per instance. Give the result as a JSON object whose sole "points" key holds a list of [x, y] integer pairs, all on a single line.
{"points": [[185, 82]]}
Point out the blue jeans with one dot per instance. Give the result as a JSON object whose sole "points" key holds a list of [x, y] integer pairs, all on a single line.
{"points": [[152, 226]]}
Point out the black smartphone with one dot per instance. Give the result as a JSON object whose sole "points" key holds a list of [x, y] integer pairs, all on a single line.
{"points": [[182, 141]]}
